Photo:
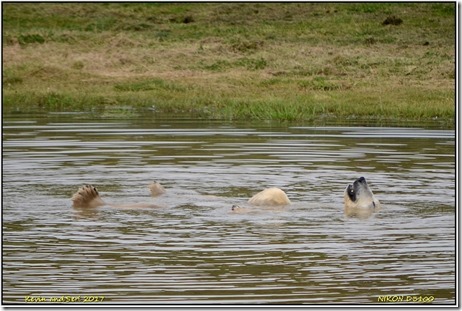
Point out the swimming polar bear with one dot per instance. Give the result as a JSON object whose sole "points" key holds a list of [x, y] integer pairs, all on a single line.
{"points": [[359, 200], [88, 197], [270, 197]]}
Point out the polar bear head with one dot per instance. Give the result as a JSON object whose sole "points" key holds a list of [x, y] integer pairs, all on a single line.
{"points": [[358, 196]]}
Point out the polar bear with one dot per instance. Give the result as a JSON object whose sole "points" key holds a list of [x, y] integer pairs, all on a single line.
{"points": [[270, 197], [359, 200], [88, 197]]}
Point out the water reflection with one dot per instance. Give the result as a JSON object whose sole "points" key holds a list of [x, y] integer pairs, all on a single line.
{"points": [[193, 249]]}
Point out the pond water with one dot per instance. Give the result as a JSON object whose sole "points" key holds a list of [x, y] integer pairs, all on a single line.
{"points": [[193, 249]]}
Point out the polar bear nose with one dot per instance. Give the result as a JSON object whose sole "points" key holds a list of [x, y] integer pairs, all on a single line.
{"points": [[361, 179]]}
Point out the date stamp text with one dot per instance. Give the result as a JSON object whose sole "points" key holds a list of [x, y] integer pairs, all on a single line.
{"points": [[64, 299]]}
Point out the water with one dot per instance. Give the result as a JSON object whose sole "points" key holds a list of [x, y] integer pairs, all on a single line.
{"points": [[192, 248]]}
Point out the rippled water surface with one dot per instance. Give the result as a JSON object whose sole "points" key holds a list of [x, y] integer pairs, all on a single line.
{"points": [[192, 248]]}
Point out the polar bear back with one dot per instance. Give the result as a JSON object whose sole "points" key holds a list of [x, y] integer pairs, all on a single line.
{"points": [[271, 197]]}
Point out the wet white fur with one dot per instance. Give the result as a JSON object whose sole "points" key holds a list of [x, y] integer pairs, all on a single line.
{"points": [[270, 197]]}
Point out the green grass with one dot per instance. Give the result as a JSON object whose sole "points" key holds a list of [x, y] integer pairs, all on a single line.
{"points": [[284, 61]]}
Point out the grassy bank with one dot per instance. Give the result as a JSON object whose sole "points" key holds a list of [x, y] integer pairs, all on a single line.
{"points": [[232, 60]]}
